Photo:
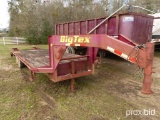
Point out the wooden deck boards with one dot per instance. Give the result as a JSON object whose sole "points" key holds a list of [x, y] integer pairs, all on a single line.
{"points": [[36, 58], [39, 58]]}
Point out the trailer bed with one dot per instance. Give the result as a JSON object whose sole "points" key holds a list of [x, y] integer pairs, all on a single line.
{"points": [[35, 58], [40, 58]]}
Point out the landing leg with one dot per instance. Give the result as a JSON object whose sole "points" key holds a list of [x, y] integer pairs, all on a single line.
{"points": [[147, 82]]}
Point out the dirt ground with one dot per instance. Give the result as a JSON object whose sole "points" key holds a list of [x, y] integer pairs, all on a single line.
{"points": [[106, 95], [129, 88]]}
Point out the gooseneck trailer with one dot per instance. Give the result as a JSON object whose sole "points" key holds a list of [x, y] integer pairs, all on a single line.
{"points": [[126, 35]]}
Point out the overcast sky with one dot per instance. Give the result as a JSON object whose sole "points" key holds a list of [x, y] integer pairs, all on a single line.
{"points": [[4, 15]]}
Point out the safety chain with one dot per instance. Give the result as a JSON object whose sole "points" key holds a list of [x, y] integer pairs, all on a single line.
{"points": [[137, 47], [138, 71]]}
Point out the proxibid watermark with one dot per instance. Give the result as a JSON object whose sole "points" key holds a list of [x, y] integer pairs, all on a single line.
{"points": [[146, 112]]}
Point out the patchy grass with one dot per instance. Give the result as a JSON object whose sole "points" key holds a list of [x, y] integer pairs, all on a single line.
{"points": [[157, 53], [42, 99]]}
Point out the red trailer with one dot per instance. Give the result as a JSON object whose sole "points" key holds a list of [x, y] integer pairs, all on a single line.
{"points": [[121, 34]]}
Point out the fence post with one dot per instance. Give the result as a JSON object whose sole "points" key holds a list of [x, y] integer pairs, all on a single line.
{"points": [[17, 40], [4, 41]]}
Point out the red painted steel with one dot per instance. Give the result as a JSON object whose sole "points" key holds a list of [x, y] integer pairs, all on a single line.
{"points": [[147, 82], [141, 56], [136, 27], [102, 41], [78, 66], [121, 35]]}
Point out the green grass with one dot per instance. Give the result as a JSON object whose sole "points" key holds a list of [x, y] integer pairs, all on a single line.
{"points": [[42, 99]]}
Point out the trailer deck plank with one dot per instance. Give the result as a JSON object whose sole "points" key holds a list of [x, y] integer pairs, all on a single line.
{"points": [[35, 58], [40, 58]]}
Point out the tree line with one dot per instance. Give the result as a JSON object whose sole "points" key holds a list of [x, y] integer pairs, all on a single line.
{"points": [[35, 19]]}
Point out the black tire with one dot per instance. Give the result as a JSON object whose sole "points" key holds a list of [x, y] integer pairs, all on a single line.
{"points": [[102, 53], [70, 50]]}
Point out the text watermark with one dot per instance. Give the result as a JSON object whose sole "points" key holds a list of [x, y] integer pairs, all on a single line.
{"points": [[145, 112]]}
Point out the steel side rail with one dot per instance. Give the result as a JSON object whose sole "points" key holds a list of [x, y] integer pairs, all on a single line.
{"points": [[124, 50]]}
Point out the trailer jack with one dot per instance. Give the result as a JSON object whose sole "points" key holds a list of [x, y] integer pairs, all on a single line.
{"points": [[147, 81]]}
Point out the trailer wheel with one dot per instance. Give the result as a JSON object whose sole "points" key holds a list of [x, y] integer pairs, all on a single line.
{"points": [[102, 53], [70, 50], [21, 64]]}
